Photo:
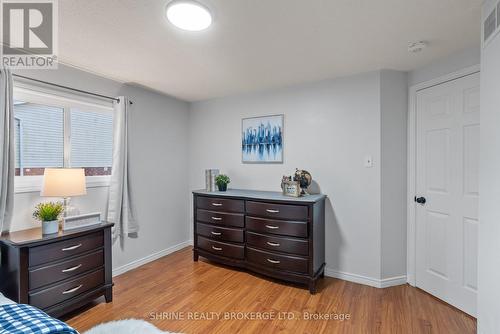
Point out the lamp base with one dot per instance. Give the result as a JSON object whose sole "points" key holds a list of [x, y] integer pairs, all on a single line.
{"points": [[70, 210]]}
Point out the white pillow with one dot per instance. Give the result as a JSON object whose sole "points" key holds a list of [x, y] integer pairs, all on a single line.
{"points": [[5, 301]]}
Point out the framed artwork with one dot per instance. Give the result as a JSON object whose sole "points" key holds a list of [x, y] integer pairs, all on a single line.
{"points": [[262, 139]]}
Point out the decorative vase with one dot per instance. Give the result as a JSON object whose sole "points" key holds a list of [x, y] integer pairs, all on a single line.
{"points": [[222, 187], [50, 227]]}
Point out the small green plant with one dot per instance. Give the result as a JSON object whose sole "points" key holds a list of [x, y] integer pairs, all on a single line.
{"points": [[48, 211], [222, 180]]}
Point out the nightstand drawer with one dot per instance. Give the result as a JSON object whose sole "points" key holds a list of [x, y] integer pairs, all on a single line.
{"points": [[61, 271], [221, 248], [64, 249], [220, 233], [221, 204], [277, 211], [59, 293]]}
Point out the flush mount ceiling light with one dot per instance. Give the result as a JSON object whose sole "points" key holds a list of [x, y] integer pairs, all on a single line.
{"points": [[188, 15]]}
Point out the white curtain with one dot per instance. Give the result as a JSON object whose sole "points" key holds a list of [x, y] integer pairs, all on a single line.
{"points": [[120, 206], [7, 157]]}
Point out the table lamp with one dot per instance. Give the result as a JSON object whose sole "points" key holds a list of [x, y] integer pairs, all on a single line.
{"points": [[65, 183]]}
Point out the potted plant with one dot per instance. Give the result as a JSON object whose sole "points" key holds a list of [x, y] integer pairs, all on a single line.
{"points": [[48, 213], [222, 181]]}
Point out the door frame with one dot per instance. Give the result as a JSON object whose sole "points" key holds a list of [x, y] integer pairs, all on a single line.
{"points": [[411, 254]]}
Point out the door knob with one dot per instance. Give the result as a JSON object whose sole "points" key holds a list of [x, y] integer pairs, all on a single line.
{"points": [[420, 200]]}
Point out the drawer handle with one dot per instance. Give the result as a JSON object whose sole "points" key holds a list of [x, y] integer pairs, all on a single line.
{"points": [[272, 227], [272, 211], [217, 204], [72, 290], [274, 244], [71, 248], [71, 269], [216, 233], [216, 248], [274, 261], [216, 218]]}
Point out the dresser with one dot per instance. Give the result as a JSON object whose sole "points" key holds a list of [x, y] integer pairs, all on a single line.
{"points": [[57, 273], [265, 232]]}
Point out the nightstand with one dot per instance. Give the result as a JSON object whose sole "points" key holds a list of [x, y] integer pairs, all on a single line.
{"points": [[57, 273]]}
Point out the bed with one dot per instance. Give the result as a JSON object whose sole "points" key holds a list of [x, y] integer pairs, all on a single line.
{"points": [[25, 319]]}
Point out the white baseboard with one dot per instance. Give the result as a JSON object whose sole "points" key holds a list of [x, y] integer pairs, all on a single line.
{"points": [[155, 256], [393, 281], [365, 280]]}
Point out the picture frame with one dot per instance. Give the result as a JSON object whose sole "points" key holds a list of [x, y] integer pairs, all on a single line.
{"points": [[262, 139], [291, 188]]}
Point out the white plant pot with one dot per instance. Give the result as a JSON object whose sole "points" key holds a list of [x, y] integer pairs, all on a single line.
{"points": [[50, 227]]}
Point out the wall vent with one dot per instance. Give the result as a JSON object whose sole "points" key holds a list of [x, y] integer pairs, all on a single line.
{"points": [[490, 25], [498, 15]]}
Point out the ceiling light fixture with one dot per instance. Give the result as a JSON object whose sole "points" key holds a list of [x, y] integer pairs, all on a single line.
{"points": [[188, 15]]}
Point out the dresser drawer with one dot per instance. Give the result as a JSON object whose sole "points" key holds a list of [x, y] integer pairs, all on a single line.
{"points": [[62, 292], [63, 249], [278, 244], [220, 233], [222, 218], [277, 261], [277, 211], [279, 227], [221, 248], [220, 204], [61, 271]]}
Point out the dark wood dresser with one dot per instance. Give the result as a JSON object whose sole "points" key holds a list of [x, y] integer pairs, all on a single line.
{"points": [[57, 273], [265, 232]]}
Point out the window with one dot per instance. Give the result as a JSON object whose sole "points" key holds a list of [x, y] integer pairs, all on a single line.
{"points": [[40, 137], [53, 130], [92, 141]]}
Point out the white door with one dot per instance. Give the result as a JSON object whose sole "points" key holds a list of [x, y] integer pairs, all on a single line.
{"points": [[447, 177]]}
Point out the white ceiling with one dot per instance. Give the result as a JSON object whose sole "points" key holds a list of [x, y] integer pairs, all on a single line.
{"points": [[259, 44]]}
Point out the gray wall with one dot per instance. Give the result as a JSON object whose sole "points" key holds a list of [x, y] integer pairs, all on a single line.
{"points": [[394, 110], [488, 313], [330, 127], [158, 154]]}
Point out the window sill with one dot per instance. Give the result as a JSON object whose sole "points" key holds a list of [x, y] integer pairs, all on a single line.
{"points": [[34, 183]]}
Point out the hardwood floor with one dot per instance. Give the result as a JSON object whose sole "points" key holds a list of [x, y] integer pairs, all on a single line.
{"points": [[173, 290]]}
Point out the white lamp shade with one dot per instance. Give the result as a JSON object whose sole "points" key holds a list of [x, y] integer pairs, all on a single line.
{"points": [[63, 182]]}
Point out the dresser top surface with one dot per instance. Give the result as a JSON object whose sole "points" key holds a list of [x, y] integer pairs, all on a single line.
{"points": [[259, 194], [34, 236]]}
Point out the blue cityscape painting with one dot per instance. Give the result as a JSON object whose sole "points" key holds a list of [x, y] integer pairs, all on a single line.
{"points": [[262, 139]]}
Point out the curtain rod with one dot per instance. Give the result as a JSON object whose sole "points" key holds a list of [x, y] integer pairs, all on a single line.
{"points": [[69, 88]]}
